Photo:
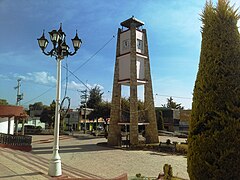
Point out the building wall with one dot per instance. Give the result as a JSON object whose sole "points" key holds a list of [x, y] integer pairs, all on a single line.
{"points": [[175, 119], [185, 118], [4, 125], [72, 120]]}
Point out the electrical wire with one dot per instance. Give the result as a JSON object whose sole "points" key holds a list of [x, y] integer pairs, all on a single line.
{"points": [[62, 110], [77, 77], [94, 54], [39, 95], [90, 58], [173, 96], [66, 82]]}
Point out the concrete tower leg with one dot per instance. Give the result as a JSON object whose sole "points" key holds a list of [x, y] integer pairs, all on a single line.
{"points": [[151, 129], [133, 90], [114, 133]]}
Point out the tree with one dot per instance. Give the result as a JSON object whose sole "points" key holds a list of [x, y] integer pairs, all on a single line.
{"points": [[100, 108], [214, 138], [95, 97], [125, 109], [172, 104], [48, 114], [36, 106], [94, 101], [3, 102], [103, 110], [35, 109], [159, 117]]}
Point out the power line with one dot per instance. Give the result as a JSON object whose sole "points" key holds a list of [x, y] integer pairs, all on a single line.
{"points": [[94, 54], [66, 82], [76, 77], [173, 96], [72, 73], [38, 96]]}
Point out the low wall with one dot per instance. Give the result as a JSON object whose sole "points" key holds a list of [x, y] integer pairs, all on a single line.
{"points": [[18, 142]]}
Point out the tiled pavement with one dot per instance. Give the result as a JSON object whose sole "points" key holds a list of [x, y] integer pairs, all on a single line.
{"points": [[16, 164], [82, 158]]}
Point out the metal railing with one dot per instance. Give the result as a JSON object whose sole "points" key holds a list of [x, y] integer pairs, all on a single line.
{"points": [[142, 117]]}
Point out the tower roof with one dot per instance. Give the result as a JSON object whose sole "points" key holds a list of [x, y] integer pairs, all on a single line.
{"points": [[127, 23]]}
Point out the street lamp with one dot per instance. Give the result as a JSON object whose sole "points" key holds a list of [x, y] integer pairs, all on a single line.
{"points": [[59, 51]]}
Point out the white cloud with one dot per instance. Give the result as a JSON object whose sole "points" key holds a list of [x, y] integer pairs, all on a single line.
{"points": [[4, 77], [43, 77], [75, 86], [79, 86], [37, 77]]}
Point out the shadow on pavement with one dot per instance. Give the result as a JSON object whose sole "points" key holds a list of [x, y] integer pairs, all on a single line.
{"points": [[19, 175], [84, 137], [70, 149], [158, 154]]}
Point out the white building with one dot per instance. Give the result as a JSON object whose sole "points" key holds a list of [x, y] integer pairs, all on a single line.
{"points": [[72, 120], [75, 119], [10, 116]]}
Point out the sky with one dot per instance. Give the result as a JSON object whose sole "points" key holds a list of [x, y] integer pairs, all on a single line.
{"points": [[174, 40]]}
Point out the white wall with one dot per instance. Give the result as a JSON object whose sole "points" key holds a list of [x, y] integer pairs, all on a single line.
{"points": [[124, 67], [140, 68], [4, 125]]}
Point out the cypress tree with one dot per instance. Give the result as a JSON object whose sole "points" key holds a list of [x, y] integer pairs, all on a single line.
{"points": [[214, 136]]}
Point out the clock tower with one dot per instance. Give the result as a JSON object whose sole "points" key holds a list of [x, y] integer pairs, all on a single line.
{"points": [[132, 68]]}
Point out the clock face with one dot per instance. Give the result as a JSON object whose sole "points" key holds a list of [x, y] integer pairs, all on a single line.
{"points": [[126, 44], [139, 44]]}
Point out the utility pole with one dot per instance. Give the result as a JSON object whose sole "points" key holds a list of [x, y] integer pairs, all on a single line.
{"points": [[19, 96], [84, 102]]}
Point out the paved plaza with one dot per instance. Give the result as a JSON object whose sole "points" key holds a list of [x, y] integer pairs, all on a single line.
{"points": [[83, 158]]}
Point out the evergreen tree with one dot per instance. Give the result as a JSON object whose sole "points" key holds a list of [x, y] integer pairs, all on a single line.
{"points": [[214, 137], [173, 104], [36, 106], [159, 117]]}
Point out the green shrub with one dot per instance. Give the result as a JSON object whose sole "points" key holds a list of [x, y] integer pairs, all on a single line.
{"points": [[138, 175], [182, 148], [214, 137]]}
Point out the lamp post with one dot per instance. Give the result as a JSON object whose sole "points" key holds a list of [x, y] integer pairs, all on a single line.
{"points": [[59, 51]]}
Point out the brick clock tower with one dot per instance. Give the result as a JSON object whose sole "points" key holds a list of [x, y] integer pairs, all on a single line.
{"points": [[132, 68]]}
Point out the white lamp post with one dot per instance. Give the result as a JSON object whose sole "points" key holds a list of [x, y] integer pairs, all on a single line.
{"points": [[59, 51]]}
